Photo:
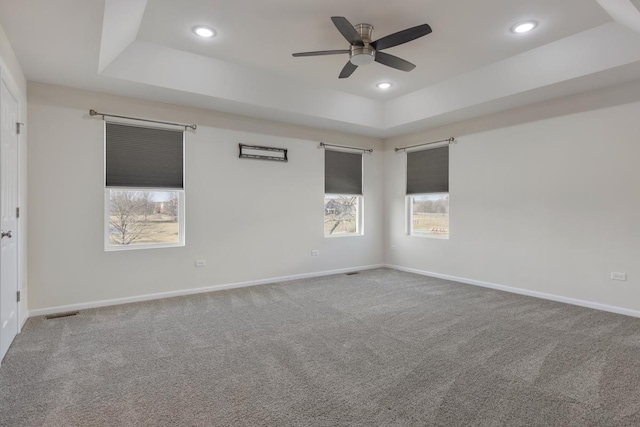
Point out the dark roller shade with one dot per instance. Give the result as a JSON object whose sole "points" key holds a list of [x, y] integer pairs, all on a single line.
{"points": [[143, 157], [342, 173], [428, 171]]}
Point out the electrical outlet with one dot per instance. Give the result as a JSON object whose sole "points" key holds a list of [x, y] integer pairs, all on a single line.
{"points": [[315, 252], [618, 276], [201, 263]]}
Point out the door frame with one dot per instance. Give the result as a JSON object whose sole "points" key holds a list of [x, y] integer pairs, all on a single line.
{"points": [[13, 88]]}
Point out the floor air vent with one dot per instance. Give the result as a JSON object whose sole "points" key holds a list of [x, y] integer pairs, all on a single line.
{"points": [[352, 273], [59, 315]]}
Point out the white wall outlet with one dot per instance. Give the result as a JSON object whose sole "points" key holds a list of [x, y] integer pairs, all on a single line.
{"points": [[315, 252], [618, 276], [201, 263]]}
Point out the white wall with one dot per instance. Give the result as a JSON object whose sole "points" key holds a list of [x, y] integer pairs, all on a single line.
{"points": [[14, 77], [548, 206], [249, 219], [543, 198]]}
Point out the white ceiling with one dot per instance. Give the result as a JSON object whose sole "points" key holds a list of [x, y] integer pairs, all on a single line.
{"points": [[470, 65]]}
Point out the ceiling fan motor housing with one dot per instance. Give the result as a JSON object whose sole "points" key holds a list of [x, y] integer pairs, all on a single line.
{"points": [[363, 51], [363, 55]]}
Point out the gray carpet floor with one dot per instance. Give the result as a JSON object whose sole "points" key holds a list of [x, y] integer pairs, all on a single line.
{"points": [[381, 348]]}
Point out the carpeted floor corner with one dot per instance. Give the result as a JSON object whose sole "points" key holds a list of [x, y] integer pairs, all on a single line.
{"points": [[380, 348]]}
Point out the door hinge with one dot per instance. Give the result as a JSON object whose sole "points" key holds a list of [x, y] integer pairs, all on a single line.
{"points": [[18, 294], [17, 212], [18, 124]]}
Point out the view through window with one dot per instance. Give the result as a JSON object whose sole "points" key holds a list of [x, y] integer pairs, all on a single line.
{"points": [[430, 214], [141, 217], [341, 214]]}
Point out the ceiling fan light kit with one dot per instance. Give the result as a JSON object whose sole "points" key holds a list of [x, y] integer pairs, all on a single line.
{"points": [[363, 51], [363, 55]]}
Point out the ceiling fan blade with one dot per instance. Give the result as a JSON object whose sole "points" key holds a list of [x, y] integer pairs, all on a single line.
{"points": [[347, 30], [347, 70], [394, 62], [321, 52], [401, 37]]}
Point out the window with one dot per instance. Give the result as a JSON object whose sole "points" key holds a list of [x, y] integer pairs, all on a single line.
{"points": [[341, 214], [429, 215], [343, 193], [142, 217], [144, 191], [428, 192]]}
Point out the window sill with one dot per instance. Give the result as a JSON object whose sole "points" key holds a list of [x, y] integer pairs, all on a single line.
{"points": [[333, 236], [429, 236], [134, 247]]}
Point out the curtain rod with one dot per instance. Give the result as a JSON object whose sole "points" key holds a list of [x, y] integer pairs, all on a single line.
{"points": [[366, 150], [95, 113], [450, 141]]}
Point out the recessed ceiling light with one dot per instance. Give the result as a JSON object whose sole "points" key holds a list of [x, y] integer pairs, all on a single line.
{"points": [[524, 27], [384, 85], [204, 31]]}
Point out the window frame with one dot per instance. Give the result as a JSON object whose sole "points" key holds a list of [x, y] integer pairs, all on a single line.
{"points": [[409, 217], [359, 216], [338, 177], [429, 157], [108, 247], [181, 221]]}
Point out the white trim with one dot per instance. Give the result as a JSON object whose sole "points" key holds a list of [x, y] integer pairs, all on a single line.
{"points": [[23, 321], [520, 291], [20, 98], [149, 297], [160, 295]]}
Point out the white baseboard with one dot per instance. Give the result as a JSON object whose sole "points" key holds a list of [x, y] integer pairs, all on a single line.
{"points": [[23, 321], [160, 295], [527, 292], [182, 292]]}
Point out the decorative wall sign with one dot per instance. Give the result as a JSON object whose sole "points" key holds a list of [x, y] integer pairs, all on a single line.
{"points": [[263, 153]]}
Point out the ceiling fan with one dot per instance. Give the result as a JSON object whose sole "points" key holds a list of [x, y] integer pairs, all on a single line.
{"points": [[363, 51]]}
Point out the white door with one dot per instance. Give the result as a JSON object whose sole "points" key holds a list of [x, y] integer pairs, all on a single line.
{"points": [[8, 220]]}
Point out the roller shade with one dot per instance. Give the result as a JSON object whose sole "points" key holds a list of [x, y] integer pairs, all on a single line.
{"points": [[428, 171], [342, 172], [143, 157]]}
